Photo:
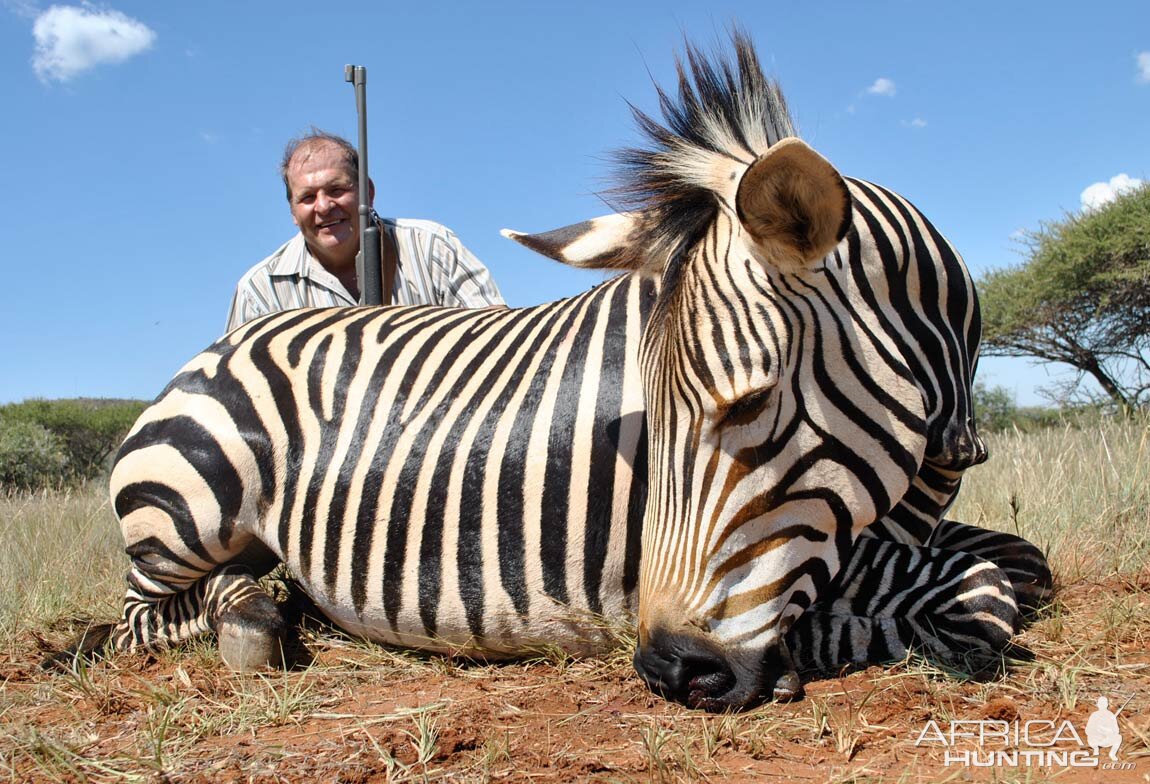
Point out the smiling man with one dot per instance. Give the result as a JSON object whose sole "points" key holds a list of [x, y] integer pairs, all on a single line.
{"points": [[316, 268]]}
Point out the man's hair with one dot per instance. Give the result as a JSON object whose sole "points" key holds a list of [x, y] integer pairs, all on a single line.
{"points": [[317, 138]]}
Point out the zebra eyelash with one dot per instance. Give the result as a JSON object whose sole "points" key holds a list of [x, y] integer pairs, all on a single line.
{"points": [[746, 409]]}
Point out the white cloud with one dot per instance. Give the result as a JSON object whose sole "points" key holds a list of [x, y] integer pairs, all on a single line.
{"points": [[882, 86], [917, 122], [71, 39], [1143, 59], [1101, 193]]}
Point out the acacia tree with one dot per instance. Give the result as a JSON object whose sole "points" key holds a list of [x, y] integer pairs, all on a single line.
{"points": [[1080, 297]]}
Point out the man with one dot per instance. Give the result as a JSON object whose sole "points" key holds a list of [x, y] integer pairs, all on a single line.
{"points": [[316, 268]]}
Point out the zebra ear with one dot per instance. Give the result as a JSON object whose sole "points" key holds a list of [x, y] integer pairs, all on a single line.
{"points": [[794, 204], [600, 243]]}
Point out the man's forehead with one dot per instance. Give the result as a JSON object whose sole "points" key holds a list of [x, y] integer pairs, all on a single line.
{"points": [[318, 158]]}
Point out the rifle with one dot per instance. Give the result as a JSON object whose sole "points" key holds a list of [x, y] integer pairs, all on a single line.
{"points": [[368, 266]]}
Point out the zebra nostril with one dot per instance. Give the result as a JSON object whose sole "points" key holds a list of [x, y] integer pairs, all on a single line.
{"points": [[707, 681], [684, 670]]}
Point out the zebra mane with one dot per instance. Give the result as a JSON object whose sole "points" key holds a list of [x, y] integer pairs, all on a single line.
{"points": [[724, 111]]}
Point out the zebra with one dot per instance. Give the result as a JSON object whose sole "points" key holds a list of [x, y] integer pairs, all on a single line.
{"points": [[479, 482]]}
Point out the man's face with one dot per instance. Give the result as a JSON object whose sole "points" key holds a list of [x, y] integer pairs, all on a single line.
{"points": [[325, 204]]}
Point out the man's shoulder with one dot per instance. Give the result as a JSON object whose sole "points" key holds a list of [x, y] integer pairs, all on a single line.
{"points": [[419, 226]]}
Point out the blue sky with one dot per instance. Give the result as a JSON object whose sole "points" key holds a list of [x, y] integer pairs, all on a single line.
{"points": [[141, 140]]}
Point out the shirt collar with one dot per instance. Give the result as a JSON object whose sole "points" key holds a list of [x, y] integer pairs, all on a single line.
{"points": [[295, 261]]}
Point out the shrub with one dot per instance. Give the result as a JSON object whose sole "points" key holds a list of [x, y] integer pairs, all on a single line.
{"points": [[87, 431], [31, 456], [994, 407]]}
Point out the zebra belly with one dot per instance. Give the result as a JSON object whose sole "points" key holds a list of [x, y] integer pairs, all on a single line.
{"points": [[576, 630]]}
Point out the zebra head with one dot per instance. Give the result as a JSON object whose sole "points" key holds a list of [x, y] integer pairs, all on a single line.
{"points": [[785, 411]]}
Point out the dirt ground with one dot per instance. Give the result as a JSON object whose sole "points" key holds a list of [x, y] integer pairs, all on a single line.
{"points": [[358, 713]]}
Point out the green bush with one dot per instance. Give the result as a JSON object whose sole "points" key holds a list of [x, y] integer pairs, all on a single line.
{"points": [[84, 431], [995, 412], [31, 456], [994, 408]]}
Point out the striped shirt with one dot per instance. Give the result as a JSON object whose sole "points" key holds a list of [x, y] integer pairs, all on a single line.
{"points": [[433, 268]]}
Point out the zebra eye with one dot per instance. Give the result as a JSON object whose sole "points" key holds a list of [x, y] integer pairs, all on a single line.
{"points": [[746, 409]]}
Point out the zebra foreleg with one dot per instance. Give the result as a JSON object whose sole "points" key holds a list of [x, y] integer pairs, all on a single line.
{"points": [[228, 601], [1023, 563], [891, 598], [248, 624]]}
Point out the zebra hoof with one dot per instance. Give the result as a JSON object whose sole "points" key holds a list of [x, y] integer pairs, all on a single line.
{"points": [[244, 649], [251, 635], [788, 687]]}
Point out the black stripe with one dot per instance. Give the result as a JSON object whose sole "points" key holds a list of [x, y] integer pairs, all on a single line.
{"points": [[329, 435], [199, 447], [830, 390], [509, 510], [902, 517], [431, 543], [352, 323], [280, 384], [168, 500], [469, 549], [938, 344], [636, 504], [604, 436], [833, 389], [228, 391], [426, 338], [560, 441], [712, 290], [154, 546], [893, 264]]}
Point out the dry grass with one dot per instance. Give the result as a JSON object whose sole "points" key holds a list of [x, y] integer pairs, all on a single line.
{"points": [[363, 713], [1082, 494], [60, 554]]}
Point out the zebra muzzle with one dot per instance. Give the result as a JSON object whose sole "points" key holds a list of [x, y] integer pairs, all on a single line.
{"points": [[690, 669]]}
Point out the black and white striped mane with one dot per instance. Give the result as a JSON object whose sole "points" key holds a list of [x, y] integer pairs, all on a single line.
{"points": [[724, 112]]}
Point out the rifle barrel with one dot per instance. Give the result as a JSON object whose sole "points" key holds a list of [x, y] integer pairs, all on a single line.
{"points": [[368, 267]]}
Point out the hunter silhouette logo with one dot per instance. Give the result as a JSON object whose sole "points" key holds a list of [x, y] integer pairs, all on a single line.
{"points": [[1102, 729], [988, 743]]}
